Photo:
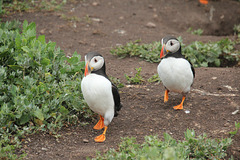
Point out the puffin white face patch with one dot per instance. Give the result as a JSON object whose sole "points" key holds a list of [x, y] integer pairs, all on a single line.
{"points": [[172, 45], [96, 62]]}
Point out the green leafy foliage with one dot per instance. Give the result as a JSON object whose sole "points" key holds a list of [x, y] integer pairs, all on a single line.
{"points": [[196, 32], [137, 79], [236, 30], [39, 86], [237, 127], [192, 147], [210, 54], [116, 82], [10, 6], [198, 53], [148, 52], [154, 78]]}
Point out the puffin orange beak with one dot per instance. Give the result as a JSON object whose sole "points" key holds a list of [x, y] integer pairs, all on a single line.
{"points": [[86, 70], [162, 54]]}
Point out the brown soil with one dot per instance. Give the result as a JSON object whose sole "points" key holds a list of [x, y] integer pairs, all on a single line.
{"points": [[100, 26]]}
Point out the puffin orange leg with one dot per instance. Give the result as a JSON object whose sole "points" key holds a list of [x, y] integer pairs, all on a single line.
{"points": [[180, 106], [101, 138], [166, 95], [100, 123]]}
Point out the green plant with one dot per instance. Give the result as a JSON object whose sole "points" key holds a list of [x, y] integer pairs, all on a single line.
{"points": [[148, 52], [154, 78], [137, 79], [192, 147], [236, 30], [195, 32], [116, 82], [237, 127], [70, 18], [9, 6], [39, 86], [198, 53], [210, 54]]}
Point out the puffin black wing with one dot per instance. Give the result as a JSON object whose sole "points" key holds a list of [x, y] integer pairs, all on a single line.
{"points": [[116, 98], [193, 70]]}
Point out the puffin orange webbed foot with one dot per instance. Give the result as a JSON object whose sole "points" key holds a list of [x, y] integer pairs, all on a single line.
{"points": [[180, 106], [101, 138], [100, 124]]}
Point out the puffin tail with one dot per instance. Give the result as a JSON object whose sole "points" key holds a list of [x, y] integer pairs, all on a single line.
{"points": [[117, 109]]}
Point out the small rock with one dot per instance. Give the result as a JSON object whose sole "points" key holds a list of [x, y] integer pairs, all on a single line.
{"points": [[120, 31], [150, 6], [121, 18], [226, 125], [95, 3], [155, 16], [214, 78], [42, 31], [151, 25], [96, 19], [93, 44], [44, 149], [235, 112], [187, 111], [85, 140], [96, 32]]}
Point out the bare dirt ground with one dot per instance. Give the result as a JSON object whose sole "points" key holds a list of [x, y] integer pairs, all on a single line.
{"points": [[99, 25]]}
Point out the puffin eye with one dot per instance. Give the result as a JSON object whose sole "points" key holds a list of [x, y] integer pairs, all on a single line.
{"points": [[171, 43], [95, 60]]}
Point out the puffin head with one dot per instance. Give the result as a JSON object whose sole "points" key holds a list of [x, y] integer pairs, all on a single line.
{"points": [[170, 44], [93, 62]]}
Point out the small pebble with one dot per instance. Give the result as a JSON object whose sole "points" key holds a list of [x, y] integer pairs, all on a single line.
{"points": [[85, 140], [235, 112], [44, 149], [187, 111], [151, 25]]}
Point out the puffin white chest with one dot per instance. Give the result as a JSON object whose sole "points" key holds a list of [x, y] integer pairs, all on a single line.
{"points": [[176, 74], [97, 92]]}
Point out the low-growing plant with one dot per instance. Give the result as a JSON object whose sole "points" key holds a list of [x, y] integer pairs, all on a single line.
{"points": [[148, 52], [39, 86], [195, 32], [116, 82], [198, 53], [11, 6], [237, 127], [192, 147], [154, 78], [137, 79]]}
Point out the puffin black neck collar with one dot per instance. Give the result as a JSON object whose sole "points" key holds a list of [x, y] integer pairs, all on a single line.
{"points": [[177, 54], [101, 71]]}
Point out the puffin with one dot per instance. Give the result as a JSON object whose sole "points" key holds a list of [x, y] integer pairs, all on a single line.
{"points": [[99, 92], [175, 71]]}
